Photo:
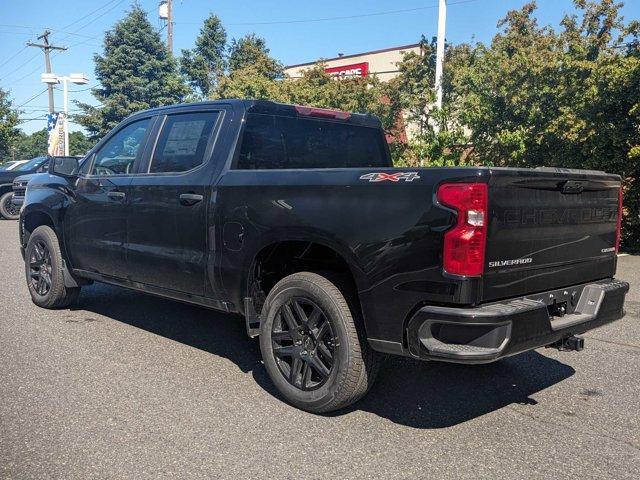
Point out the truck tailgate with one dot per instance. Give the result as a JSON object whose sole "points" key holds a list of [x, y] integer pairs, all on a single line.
{"points": [[549, 228]]}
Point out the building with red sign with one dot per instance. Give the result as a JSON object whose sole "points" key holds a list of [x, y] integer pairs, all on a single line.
{"points": [[382, 63]]}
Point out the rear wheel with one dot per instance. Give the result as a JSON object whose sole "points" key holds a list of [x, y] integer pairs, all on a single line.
{"points": [[43, 268], [7, 209], [311, 348]]}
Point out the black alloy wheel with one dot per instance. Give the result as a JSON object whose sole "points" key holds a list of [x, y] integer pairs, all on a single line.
{"points": [[304, 343], [313, 344], [40, 268]]}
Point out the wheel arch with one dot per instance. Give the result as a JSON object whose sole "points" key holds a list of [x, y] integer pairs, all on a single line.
{"points": [[284, 256], [5, 188], [34, 216]]}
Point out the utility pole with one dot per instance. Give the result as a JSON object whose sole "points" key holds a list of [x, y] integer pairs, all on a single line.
{"points": [[442, 21], [47, 47], [170, 26]]}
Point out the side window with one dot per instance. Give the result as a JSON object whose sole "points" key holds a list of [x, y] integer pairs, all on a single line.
{"points": [[118, 155], [262, 144], [182, 142]]}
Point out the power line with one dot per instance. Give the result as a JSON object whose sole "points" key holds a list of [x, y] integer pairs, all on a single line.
{"points": [[33, 98], [89, 14], [68, 33], [14, 56], [83, 89], [4, 32], [33, 28], [26, 120], [345, 17], [84, 42], [98, 17], [25, 63], [28, 74]]}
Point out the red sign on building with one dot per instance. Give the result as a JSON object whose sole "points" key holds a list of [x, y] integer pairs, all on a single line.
{"points": [[347, 71]]}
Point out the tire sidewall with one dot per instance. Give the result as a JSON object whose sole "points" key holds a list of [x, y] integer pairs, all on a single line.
{"points": [[323, 395], [6, 197], [56, 269]]}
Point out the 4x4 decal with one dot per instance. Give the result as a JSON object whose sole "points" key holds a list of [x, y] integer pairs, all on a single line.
{"points": [[390, 177]]}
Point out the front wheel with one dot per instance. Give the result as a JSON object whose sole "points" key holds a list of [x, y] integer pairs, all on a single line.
{"points": [[312, 350], [8, 210], [44, 271]]}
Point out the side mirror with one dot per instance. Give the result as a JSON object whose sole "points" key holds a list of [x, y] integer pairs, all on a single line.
{"points": [[64, 166]]}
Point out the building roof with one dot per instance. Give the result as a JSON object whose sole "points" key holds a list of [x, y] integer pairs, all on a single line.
{"points": [[372, 52]]}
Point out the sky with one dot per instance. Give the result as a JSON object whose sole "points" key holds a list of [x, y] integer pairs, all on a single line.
{"points": [[296, 32]]}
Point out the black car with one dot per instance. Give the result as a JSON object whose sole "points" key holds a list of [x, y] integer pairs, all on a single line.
{"points": [[8, 209], [295, 218]]}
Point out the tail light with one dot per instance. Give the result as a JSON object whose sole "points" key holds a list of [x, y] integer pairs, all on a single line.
{"points": [[464, 244], [619, 226]]}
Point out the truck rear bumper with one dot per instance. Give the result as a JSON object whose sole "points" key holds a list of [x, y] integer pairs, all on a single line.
{"points": [[489, 332]]}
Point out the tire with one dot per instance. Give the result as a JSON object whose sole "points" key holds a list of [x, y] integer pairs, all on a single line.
{"points": [[338, 367], [8, 210], [43, 269]]}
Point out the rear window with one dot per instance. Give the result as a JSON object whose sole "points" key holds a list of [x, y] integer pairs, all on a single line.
{"points": [[272, 142]]}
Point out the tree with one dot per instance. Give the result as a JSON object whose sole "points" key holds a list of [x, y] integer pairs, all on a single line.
{"points": [[315, 87], [438, 137], [355, 94], [204, 64], [33, 145], [252, 73], [36, 144], [135, 72], [8, 125], [248, 82], [252, 51], [569, 98]]}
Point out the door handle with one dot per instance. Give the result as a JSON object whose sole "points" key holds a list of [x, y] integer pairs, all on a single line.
{"points": [[189, 199], [115, 195]]}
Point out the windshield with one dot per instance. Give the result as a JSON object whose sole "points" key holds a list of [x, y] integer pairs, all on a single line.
{"points": [[12, 165], [31, 164]]}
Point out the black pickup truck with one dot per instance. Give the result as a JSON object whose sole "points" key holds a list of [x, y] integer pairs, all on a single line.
{"points": [[295, 218]]}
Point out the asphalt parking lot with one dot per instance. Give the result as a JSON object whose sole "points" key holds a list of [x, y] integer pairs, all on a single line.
{"points": [[127, 385]]}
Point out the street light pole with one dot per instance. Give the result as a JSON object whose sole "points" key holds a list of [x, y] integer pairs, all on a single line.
{"points": [[65, 101], [442, 20]]}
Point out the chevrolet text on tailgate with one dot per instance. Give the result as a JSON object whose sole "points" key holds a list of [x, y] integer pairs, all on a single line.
{"points": [[295, 218]]}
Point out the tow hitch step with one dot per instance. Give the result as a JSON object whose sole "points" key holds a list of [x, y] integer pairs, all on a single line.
{"points": [[569, 344]]}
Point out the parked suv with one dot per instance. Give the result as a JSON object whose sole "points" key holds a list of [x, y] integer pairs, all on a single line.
{"points": [[295, 218]]}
